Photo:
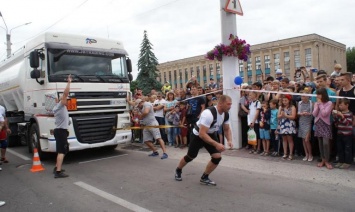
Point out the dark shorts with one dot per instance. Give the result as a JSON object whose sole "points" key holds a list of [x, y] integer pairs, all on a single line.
{"points": [[3, 144], [196, 143], [61, 138]]}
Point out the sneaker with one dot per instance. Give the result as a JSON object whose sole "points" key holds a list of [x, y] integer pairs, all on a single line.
{"points": [[310, 159], [60, 175], [251, 151], [266, 154], [154, 154], [2, 203], [0, 169], [262, 154], [178, 176], [344, 166], [165, 156], [55, 169], [207, 181], [305, 158], [338, 165]]}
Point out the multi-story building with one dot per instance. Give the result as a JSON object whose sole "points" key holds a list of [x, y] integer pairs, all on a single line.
{"points": [[311, 51]]}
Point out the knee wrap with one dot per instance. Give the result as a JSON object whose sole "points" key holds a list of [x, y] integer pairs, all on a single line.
{"points": [[216, 160], [187, 159]]}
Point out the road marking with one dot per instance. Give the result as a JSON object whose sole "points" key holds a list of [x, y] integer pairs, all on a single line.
{"points": [[111, 197], [89, 161], [18, 154]]}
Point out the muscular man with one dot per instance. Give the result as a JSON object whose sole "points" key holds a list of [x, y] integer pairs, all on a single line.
{"points": [[4, 131], [149, 134], [204, 135], [61, 130]]}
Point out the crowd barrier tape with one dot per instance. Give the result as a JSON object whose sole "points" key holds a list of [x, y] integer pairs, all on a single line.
{"points": [[148, 127], [265, 91]]}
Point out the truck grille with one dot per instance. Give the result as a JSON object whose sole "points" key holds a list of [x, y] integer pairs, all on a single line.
{"points": [[94, 129]]}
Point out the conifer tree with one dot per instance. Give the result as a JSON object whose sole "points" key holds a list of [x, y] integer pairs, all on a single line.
{"points": [[147, 67]]}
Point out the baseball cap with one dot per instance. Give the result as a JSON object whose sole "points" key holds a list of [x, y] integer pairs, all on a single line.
{"points": [[278, 71]]}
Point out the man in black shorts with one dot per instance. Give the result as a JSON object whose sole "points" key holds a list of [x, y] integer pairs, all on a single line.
{"points": [[204, 135], [61, 130]]}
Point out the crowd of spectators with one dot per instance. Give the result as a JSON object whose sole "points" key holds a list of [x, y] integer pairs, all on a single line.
{"points": [[311, 114]]}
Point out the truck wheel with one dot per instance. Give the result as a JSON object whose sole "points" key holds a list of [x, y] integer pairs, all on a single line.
{"points": [[34, 142]]}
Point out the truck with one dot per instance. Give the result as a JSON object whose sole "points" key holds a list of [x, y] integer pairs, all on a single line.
{"points": [[36, 75]]}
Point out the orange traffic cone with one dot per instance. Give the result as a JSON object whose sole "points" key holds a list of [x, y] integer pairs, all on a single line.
{"points": [[37, 165]]}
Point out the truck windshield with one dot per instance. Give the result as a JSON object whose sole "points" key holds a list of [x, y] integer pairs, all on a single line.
{"points": [[86, 65]]}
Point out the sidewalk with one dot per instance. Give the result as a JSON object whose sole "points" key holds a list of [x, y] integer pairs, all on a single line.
{"points": [[241, 159]]}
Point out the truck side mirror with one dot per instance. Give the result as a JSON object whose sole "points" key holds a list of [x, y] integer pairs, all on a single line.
{"points": [[130, 77], [34, 60], [35, 73], [129, 65]]}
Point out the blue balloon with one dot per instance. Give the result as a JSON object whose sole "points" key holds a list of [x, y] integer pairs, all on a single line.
{"points": [[238, 80]]}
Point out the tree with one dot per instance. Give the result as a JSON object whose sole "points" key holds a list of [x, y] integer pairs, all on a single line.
{"points": [[147, 67], [133, 86], [350, 59]]}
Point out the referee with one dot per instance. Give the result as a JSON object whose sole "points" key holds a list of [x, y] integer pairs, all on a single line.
{"points": [[204, 135]]}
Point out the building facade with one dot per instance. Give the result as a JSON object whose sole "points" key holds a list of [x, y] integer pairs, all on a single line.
{"points": [[311, 51]]}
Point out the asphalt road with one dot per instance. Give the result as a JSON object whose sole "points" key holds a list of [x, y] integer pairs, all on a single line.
{"points": [[126, 179]]}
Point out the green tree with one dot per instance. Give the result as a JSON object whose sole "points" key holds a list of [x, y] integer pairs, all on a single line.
{"points": [[133, 86], [350, 59], [147, 67]]}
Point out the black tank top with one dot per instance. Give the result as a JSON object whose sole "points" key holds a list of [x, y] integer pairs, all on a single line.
{"points": [[349, 93]]}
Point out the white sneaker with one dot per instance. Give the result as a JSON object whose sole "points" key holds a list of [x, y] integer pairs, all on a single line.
{"points": [[2, 203], [0, 169]]}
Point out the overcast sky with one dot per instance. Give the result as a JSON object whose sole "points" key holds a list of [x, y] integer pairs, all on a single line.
{"points": [[176, 28]]}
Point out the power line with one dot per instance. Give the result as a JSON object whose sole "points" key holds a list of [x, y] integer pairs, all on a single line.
{"points": [[59, 20]]}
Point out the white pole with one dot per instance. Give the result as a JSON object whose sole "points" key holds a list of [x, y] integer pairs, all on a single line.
{"points": [[230, 71]]}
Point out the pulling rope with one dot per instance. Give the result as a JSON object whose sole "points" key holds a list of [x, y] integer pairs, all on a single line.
{"points": [[148, 127]]}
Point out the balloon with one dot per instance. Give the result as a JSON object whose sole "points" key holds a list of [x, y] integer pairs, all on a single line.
{"points": [[238, 80]]}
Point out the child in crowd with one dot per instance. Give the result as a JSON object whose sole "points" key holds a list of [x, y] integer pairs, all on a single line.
{"points": [[287, 116], [264, 127], [254, 109], [135, 123], [343, 120], [183, 122], [174, 119], [321, 112], [273, 126], [305, 124]]}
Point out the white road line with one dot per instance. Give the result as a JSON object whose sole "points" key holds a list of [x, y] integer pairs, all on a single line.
{"points": [[111, 197], [89, 161], [18, 154]]}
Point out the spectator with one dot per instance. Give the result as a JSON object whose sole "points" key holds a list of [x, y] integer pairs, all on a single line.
{"points": [[344, 121], [158, 107], [278, 74], [183, 122], [174, 119], [305, 123], [253, 115], [264, 127], [273, 126], [285, 82], [337, 70], [169, 106], [287, 116], [244, 105], [195, 107], [321, 112], [166, 87], [212, 85]]}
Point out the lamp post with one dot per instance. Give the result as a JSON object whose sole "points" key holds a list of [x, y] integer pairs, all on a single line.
{"points": [[8, 35]]}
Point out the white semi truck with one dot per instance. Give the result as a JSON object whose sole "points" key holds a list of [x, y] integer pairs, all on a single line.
{"points": [[32, 78]]}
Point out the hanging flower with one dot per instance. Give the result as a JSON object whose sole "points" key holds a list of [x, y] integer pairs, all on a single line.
{"points": [[237, 48]]}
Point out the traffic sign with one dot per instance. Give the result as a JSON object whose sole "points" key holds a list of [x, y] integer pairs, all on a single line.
{"points": [[233, 6]]}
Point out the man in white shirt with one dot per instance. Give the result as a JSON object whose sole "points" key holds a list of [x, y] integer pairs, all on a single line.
{"points": [[158, 107], [204, 135]]}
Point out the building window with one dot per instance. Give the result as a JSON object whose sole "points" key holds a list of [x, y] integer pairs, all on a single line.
{"points": [[175, 77], [170, 77], [277, 61], [204, 69], [267, 61], [257, 63], [308, 54], [165, 77], [186, 75], [192, 71], [297, 59], [204, 72], [198, 71], [250, 80], [218, 69], [287, 63], [258, 78]]}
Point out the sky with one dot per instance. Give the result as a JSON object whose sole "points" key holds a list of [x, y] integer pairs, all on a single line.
{"points": [[177, 28]]}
